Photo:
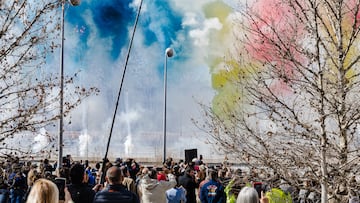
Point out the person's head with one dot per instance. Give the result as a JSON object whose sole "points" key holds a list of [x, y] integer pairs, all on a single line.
{"points": [[152, 173], [97, 166], [43, 191], [125, 171], [77, 172], [32, 176], [145, 171], [213, 174], [190, 171], [118, 162], [86, 163], [247, 195], [108, 165], [114, 175]]}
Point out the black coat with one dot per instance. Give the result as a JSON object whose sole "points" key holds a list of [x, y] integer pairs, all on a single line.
{"points": [[81, 193], [189, 184], [115, 194]]}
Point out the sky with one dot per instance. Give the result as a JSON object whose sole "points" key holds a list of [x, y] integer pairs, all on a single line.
{"points": [[97, 36]]}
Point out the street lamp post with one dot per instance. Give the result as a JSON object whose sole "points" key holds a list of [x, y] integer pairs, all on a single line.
{"points": [[61, 120], [169, 52]]}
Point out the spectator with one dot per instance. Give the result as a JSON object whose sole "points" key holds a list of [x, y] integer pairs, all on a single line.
{"points": [[153, 191], [176, 194], [80, 191], [250, 195], [47, 166], [4, 189], [188, 182], [18, 187], [115, 191], [90, 176], [128, 182], [133, 167], [213, 190], [118, 162], [32, 176], [161, 175], [46, 191], [97, 172]]}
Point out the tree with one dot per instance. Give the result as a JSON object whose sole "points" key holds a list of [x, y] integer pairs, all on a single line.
{"points": [[29, 94], [295, 74]]}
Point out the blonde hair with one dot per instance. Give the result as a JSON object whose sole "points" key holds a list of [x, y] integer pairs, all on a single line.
{"points": [[32, 177], [43, 191]]}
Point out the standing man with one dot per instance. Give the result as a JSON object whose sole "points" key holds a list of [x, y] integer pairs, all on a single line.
{"points": [[188, 182], [213, 190], [115, 192]]}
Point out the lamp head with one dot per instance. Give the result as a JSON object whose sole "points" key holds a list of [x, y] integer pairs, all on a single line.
{"points": [[169, 52], [75, 2]]}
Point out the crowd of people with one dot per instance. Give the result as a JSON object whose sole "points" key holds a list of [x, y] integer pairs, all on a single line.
{"points": [[128, 181]]}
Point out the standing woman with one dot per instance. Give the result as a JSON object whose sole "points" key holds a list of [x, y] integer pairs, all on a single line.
{"points": [[45, 191], [250, 195]]}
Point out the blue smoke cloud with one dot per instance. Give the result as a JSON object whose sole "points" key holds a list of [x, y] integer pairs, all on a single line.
{"points": [[113, 18]]}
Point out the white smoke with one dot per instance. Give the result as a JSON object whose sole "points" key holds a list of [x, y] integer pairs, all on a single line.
{"points": [[128, 145], [40, 141], [84, 140]]}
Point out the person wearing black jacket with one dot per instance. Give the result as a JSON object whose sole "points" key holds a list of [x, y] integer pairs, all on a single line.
{"points": [[188, 182], [80, 191], [115, 192]]}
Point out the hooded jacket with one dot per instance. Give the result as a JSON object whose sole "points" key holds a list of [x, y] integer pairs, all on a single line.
{"points": [[153, 191]]}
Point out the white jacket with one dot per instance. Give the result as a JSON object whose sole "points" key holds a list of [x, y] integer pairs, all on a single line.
{"points": [[153, 191]]}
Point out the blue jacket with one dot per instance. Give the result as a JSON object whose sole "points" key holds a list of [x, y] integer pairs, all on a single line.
{"points": [[115, 194], [212, 192], [176, 195]]}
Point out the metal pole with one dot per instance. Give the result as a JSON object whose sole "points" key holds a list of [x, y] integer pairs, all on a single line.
{"points": [[61, 121], [119, 93], [164, 116], [168, 53]]}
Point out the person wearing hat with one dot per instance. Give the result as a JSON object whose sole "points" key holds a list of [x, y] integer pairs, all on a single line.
{"points": [[118, 162]]}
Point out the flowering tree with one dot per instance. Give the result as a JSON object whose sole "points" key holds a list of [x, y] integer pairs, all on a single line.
{"points": [[296, 79], [29, 95]]}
